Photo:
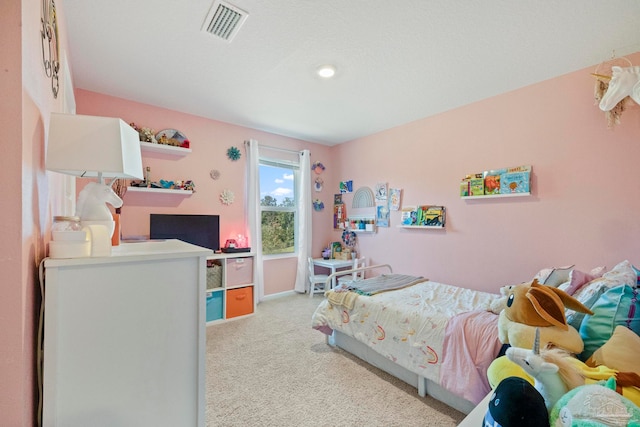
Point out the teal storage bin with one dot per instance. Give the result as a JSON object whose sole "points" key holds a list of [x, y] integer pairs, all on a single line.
{"points": [[214, 305]]}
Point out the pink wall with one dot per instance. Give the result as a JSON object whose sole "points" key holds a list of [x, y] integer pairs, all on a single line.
{"points": [[584, 206], [210, 140]]}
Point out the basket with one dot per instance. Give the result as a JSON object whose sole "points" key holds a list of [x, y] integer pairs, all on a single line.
{"points": [[214, 276]]}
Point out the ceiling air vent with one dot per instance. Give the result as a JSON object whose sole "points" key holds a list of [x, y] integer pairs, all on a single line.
{"points": [[224, 20]]}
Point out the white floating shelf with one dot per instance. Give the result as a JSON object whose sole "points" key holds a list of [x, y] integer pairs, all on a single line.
{"points": [[497, 196], [160, 191], [163, 148], [422, 226]]}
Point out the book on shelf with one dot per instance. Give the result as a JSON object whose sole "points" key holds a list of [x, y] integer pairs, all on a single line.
{"points": [[408, 215], [432, 216]]}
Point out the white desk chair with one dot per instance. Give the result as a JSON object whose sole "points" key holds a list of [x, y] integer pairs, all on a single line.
{"points": [[317, 282], [356, 275]]}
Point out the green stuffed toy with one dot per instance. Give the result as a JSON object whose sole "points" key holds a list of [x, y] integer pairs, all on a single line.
{"points": [[594, 405]]}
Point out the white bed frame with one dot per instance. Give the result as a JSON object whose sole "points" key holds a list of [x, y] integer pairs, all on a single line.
{"points": [[362, 351]]}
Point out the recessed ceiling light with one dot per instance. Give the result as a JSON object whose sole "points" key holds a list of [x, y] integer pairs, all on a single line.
{"points": [[326, 71]]}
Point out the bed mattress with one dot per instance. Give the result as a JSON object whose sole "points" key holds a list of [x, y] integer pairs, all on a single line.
{"points": [[408, 325]]}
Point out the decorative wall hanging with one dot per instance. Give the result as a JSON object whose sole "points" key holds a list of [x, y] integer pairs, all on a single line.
{"points": [[233, 153], [318, 205], [227, 197], [317, 185], [394, 198], [339, 216], [381, 191], [337, 199], [317, 167], [382, 216], [613, 89], [49, 42], [214, 174], [346, 186], [363, 198], [349, 238]]}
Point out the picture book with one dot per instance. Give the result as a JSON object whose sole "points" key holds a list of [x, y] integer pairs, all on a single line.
{"points": [[433, 216], [408, 215]]}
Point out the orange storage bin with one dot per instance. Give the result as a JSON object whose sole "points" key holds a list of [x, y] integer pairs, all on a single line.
{"points": [[239, 301], [239, 271]]}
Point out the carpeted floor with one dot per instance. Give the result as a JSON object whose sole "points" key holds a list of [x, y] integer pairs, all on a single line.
{"points": [[272, 369]]}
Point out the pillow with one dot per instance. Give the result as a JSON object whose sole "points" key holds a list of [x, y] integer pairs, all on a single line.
{"points": [[621, 274], [553, 276], [620, 352], [575, 318], [617, 306], [578, 278]]}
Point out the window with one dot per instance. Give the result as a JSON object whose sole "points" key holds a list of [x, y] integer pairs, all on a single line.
{"points": [[278, 206]]}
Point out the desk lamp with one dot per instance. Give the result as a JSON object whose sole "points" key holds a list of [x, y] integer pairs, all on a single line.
{"points": [[94, 147]]}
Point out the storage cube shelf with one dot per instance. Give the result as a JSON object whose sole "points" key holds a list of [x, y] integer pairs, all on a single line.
{"points": [[230, 287]]}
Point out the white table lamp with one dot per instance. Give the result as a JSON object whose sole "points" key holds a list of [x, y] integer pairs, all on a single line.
{"points": [[94, 147]]}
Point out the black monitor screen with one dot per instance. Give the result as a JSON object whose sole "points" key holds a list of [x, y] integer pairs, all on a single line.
{"points": [[201, 230]]}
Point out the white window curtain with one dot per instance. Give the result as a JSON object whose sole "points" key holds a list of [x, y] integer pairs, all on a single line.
{"points": [[254, 220], [305, 230], [253, 212]]}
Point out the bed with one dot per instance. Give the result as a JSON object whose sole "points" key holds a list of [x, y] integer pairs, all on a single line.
{"points": [[437, 337]]}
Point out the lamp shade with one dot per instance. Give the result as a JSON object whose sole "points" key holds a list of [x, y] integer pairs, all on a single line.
{"points": [[90, 146]]}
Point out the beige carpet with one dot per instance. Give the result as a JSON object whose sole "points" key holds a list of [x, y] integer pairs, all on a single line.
{"points": [[272, 369]]}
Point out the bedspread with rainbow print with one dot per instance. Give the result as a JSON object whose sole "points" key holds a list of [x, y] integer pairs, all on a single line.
{"points": [[407, 325]]}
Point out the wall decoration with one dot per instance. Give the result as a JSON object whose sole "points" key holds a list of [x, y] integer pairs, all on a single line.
{"points": [[339, 216], [381, 191], [363, 198], [214, 174], [382, 215], [317, 167], [318, 205], [233, 153], [394, 198], [49, 42], [227, 197], [346, 186], [612, 77], [337, 199], [317, 184], [349, 238]]}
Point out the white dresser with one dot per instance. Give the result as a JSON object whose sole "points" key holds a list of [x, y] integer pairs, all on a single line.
{"points": [[124, 337]]}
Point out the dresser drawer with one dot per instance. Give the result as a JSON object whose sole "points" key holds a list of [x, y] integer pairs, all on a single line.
{"points": [[239, 271], [239, 301]]}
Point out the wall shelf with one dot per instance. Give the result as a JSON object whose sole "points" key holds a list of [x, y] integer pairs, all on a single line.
{"points": [[497, 196], [163, 148], [167, 191], [437, 227]]}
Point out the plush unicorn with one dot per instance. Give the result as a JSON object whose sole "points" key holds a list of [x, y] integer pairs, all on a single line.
{"points": [[625, 81], [556, 371], [545, 374]]}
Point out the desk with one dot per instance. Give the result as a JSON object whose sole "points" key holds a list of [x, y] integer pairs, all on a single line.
{"points": [[333, 265]]}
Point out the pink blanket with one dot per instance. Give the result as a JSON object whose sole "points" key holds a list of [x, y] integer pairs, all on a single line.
{"points": [[470, 345]]}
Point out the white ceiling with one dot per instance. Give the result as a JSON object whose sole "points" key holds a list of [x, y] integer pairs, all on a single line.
{"points": [[397, 60]]}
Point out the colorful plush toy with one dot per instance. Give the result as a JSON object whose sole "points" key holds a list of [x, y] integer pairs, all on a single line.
{"points": [[556, 372], [594, 405], [530, 306]]}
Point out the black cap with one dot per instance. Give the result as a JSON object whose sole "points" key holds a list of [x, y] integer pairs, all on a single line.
{"points": [[516, 403]]}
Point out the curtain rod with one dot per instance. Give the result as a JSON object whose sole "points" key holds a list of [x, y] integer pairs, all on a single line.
{"points": [[286, 150]]}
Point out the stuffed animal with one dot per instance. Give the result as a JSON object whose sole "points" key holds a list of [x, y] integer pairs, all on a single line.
{"points": [[531, 305], [556, 372], [594, 405]]}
